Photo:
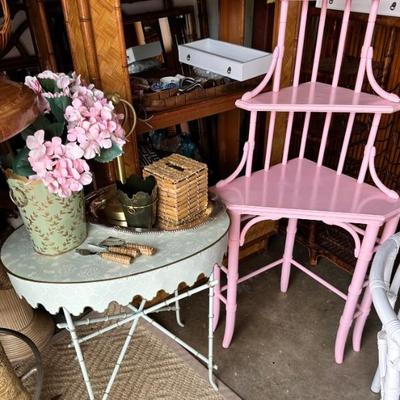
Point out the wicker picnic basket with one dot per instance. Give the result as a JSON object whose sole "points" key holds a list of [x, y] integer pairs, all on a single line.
{"points": [[182, 189]]}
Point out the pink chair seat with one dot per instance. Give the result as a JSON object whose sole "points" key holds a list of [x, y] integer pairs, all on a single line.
{"points": [[318, 97], [302, 189]]}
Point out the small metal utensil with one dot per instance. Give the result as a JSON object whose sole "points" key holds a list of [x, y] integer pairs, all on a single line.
{"points": [[112, 241], [86, 252]]}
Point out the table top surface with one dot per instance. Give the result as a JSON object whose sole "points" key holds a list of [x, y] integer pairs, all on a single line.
{"points": [[22, 262]]}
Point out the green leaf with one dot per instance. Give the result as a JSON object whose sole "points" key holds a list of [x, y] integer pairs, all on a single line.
{"points": [[58, 106], [49, 85], [21, 164], [106, 155], [55, 129], [41, 122], [30, 130]]}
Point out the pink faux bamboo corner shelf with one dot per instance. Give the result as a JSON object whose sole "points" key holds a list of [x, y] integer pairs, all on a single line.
{"points": [[298, 188]]}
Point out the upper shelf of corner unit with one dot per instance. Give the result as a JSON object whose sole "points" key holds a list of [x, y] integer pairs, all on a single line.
{"points": [[318, 97]]}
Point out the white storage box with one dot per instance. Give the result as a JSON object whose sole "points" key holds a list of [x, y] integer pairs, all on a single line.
{"points": [[227, 59], [389, 8], [143, 52]]}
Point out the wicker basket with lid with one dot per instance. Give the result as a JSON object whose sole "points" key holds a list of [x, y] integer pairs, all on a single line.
{"points": [[182, 189]]}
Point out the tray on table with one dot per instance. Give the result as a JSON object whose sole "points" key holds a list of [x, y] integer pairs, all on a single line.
{"points": [[103, 208]]}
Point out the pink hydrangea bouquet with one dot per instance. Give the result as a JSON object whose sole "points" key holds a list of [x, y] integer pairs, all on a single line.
{"points": [[77, 124]]}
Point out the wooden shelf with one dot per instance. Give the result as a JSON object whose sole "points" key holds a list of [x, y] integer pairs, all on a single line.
{"points": [[190, 112]]}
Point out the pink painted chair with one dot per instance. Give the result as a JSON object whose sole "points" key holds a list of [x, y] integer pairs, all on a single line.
{"points": [[304, 189]]}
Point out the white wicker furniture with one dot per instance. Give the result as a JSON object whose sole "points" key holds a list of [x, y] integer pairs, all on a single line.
{"points": [[384, 284], [72, 282]]}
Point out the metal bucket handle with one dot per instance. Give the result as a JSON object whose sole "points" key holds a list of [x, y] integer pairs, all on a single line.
{"points": [[133, 209], [22, 201]]}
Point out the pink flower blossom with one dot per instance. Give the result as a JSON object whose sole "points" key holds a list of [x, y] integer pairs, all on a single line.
{"points": [[92, 126], [65, 174], [33, 83], [92, 122], [54, 147], [63, 81], [73, 151], [35, 144], [48, 75]]}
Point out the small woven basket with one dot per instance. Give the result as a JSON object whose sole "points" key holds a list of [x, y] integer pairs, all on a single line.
{"points": [[182, 189]]}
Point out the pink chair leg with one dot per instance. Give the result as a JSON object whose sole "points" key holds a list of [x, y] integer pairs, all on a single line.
{"points": [[365, 307], [288, 253], [217, 292], [233, 276], [355, 290]]}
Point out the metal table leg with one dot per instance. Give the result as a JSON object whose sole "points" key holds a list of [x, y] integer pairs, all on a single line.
{"points": [[75, 342], [133, 317], [122, 354]]}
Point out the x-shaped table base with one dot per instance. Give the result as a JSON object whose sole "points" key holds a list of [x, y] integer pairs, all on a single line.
{"points": [[133, 317]]}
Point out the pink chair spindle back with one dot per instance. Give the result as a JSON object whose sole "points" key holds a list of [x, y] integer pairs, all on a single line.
{"points": [[280, 49]]}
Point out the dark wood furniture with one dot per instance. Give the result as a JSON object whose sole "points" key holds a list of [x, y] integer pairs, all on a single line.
{"points": [[333, 242]]}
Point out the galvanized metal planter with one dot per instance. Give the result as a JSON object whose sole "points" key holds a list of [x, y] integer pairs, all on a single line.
{"points": [[56, 225]]}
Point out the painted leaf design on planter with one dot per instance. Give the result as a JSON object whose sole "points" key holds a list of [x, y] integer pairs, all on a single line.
{"points": [[56, 224]]}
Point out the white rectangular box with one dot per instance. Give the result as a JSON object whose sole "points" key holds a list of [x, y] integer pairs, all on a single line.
{"points": [[143, 52], [227, 59], [390, 8]]}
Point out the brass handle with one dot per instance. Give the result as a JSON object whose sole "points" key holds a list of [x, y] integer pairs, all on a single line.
{"points": [[128, 108], [115, 98]]}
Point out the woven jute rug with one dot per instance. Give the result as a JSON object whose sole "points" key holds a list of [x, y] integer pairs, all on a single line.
{"points": [[154, 367]]}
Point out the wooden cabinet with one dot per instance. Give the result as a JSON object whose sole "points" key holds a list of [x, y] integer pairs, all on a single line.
{"points": [[98, 49]]}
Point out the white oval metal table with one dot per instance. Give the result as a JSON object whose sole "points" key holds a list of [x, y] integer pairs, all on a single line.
{"points": [[72, 282]]}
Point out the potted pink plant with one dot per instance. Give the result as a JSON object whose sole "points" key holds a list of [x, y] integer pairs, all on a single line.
{"points": [[47, 176]]}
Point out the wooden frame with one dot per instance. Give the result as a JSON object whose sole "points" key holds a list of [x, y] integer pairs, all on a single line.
{"points": [[97, 43]]}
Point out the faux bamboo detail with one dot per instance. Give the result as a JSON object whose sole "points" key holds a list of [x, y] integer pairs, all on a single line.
{"points": [[143, 249], [119, 258]]}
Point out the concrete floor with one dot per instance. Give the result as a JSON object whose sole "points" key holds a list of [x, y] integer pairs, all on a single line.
{"points": [[283, 343]]}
